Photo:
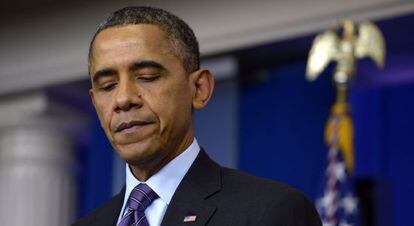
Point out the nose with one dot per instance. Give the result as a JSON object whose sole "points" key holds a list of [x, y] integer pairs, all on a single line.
{"points": [[127, 97]]}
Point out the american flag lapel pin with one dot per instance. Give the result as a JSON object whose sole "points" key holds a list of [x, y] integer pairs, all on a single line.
{"points": [[190, 218]]}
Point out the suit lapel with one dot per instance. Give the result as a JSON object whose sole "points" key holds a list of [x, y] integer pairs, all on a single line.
{"points": [[191, 197], [109, 215]]}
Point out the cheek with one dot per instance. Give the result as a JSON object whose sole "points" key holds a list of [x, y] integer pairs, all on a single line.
{"points": [[173, 105], [104, 114]]}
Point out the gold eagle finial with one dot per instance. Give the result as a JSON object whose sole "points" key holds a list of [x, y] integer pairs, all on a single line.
{"points": [[328, 46]]}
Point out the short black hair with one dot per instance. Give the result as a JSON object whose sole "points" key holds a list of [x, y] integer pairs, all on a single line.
{"points": [[180, 33]]}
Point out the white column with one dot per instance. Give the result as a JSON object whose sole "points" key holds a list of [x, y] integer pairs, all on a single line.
{"points": [[37, 186]]}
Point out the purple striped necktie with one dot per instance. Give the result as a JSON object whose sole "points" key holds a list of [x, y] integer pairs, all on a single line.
{"points": [[140, 198]]}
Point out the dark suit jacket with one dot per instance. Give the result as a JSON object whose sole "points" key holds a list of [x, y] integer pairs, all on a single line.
{"points": [[220, 196]]}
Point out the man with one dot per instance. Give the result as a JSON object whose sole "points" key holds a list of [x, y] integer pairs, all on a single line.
{"points": [[146, 83]]}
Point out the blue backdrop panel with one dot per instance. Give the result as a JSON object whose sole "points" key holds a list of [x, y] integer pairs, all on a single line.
{"points": [[400, 152], [282, 125], [96, 172], [216, 125], [384, 125], [368, 112]]}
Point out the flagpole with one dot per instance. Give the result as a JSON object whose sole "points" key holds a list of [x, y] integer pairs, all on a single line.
{"points": [[337, 203]]}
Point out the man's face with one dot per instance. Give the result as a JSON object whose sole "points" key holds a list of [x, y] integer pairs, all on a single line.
{"points": [[141, 93]]}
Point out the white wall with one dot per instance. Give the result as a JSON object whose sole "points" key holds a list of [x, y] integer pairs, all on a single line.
{"points": [[48, 45]]}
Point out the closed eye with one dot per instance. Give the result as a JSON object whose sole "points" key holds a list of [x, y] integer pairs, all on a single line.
{"points": [[108, 87], [148, 78]]}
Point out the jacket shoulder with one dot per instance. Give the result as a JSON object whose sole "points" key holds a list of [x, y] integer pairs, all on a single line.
{"points": [[273, 201], [243, 182], [107, 212]]}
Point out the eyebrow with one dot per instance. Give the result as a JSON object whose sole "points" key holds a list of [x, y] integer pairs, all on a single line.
{"points": [[106, 72], [138, 65]]}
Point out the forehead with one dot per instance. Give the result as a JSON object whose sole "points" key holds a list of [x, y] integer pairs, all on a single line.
{"points": [[133, 32], [141, 39]]}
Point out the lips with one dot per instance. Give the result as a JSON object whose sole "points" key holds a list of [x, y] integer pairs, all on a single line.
{"points": [[127, 125]]}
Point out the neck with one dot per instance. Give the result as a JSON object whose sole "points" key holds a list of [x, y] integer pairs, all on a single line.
{"points": [[144, 172]]}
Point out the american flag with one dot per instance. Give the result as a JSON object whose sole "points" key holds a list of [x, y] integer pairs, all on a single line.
{"points": [[337, 203]]}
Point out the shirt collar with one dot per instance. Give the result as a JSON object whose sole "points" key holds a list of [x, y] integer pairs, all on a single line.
{"points": [[166, 181]]}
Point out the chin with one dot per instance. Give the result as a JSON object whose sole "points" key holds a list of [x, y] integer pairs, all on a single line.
{"points": [[138, 154]]}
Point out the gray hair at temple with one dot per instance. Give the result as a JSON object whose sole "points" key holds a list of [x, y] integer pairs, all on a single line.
{"points": [[180, 34]]}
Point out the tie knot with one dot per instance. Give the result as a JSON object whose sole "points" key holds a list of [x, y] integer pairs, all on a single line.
{"points": [[141, 197]]}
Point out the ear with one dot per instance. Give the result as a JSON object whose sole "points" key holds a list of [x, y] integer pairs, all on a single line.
{"points": [[92, 97], [203, 83]]}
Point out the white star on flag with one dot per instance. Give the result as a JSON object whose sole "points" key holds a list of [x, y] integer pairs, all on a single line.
{"points": [[344, 223], [327, 202], [349, 203], [324, 223], [338, 169]]}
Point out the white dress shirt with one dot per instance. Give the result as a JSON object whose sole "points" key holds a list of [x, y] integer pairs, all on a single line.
{"points": [[164, 183]]}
